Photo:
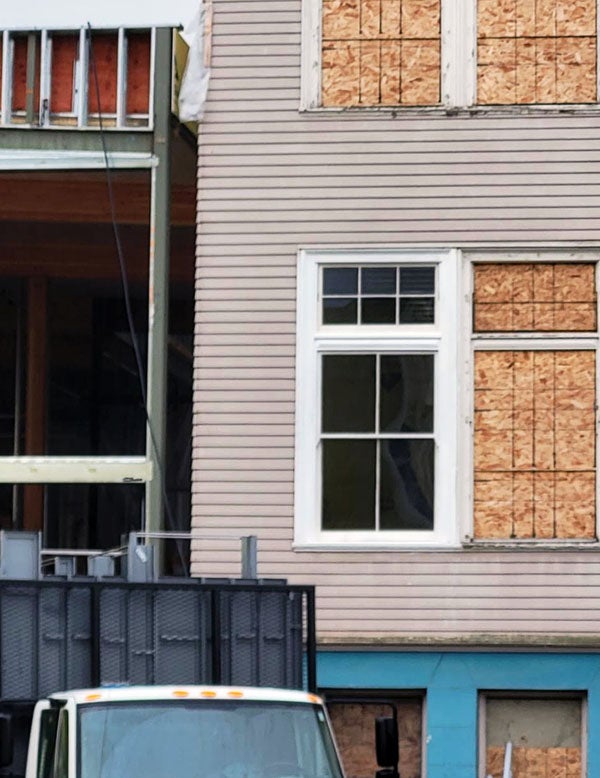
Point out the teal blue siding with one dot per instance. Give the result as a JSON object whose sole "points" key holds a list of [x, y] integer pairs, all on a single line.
{"points": [[452, 680]]}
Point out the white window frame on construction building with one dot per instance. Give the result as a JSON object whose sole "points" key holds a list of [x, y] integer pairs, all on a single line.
{"points": [[506, 341], [458, 66], [313, 340]]}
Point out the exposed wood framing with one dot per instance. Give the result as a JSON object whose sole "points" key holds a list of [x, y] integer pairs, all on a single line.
{"points": [[544, 52]]}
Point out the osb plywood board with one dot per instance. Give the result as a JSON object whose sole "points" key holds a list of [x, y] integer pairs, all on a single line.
{"points": [[380, 52], [534, 444], [536, 762], [535, 18], [354, 724], [536, 51], [534, 297]]}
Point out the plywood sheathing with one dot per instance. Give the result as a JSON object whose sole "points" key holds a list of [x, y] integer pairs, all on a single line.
{"points": [[354, 723], [380, 52], [535, 297], [536, 762], [65, 51], [138, 72], [534, 446], [536, 51], [103, 63]]}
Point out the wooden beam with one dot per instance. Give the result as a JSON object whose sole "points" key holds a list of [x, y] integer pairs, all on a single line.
{"points": [[35, 396], [80, 198], [88, 251]]}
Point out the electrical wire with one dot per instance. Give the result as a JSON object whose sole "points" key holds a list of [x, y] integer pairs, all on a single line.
{"points": [[127, 301]]}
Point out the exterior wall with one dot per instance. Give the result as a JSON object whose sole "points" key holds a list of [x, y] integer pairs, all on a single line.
{"points": [[452, 682], [272, 180]]}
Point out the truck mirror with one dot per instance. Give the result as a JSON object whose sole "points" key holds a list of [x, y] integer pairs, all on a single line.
{"points": [[6, 740], [386, 741]]}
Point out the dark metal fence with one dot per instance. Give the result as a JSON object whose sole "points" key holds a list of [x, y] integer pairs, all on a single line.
{"points": [[61, 634]]}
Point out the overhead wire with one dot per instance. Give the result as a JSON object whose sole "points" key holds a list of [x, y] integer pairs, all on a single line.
{"points": [[128, 308]]}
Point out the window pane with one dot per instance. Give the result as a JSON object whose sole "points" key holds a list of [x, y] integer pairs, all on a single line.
{"points": [[340, 280], [348, 393], [406, 393], [340, 310], [378, 310], [348, 484], [416, 310], [378, 280], [417, 280], [406, 498]]}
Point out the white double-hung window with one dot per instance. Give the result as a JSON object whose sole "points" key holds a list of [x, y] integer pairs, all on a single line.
{"points": [[376, 398]]}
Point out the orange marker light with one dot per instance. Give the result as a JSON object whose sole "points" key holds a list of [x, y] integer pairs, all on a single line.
{"points": [[208, 694], [92, 697], [180, 693], [315, 699], [235, 693]]}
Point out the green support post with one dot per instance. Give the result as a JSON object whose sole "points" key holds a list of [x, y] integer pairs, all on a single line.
{"points": [[158, 289]]}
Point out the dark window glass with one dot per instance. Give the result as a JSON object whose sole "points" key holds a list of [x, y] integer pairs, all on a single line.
{"points": [[348, 393], [406, 484], [416, 310], [406, 393], [348, 484], [378, 280], [340, 310], [417, 280], [378, 310], [340, 280]]}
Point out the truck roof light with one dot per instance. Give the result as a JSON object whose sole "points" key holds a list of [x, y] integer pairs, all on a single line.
{"points": [[315, 699], [235, 693], [92, 697], [180, 693], [207, 693]]}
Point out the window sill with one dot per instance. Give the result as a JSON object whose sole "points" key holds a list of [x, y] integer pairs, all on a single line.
{"points": [[532, 545], [378, 547], [395, 111]]}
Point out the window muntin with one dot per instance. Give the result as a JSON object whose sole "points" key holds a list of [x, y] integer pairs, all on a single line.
{"points": [[384, 478]]}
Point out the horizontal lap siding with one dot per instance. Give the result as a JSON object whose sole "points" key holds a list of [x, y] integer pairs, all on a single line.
{"points": [[272, 180]]}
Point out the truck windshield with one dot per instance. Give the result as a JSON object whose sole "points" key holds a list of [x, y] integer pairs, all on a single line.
{"points": [[205, 739]]}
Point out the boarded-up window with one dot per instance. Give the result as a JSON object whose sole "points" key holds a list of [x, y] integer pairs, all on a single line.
{"points": [[535, 438], [354, 727], [380, 52], [536, 52], [544, 733]]}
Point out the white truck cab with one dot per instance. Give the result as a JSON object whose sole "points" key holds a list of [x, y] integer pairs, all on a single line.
{"points": [[181, 732]]}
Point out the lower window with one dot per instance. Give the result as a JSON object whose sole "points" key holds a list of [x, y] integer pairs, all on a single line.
{"points": [[532, 735], [353, 719]]}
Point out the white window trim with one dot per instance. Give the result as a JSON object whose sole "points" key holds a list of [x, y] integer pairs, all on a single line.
{"points": [[458, 67], [312, 340], [473, 342]]}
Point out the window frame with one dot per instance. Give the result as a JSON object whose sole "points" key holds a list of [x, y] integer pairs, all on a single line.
{"points": [[512, 341], [314, 339], [458, 67]]}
